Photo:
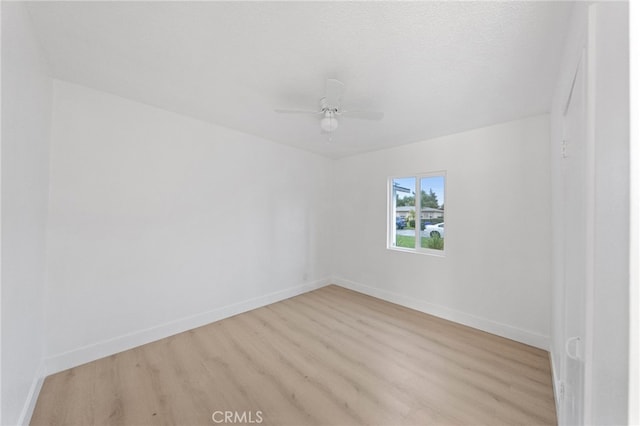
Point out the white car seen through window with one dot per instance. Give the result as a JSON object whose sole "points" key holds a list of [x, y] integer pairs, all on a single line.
{"points": [[433, 230]]}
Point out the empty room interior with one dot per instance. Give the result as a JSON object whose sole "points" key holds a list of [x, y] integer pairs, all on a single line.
{"points": [[318, 213]]}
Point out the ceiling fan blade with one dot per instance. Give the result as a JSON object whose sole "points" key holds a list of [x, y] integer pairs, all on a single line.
{"points": [[364, 115], [333, 92], [296, 111]]}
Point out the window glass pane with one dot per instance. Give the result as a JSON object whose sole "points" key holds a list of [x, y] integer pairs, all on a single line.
{"points": [[432, 212], [404, 196]]}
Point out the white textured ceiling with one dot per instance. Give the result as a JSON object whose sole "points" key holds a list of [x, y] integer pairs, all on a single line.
{"points": [[433, 68]]}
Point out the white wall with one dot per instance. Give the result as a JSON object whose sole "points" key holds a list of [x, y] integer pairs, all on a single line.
{"points": [[607, 371], [159, 223], [634, 254], [26, 110], [611, 257], [496, 272]]}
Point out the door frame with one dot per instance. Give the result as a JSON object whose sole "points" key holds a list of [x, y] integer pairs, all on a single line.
{"points": [[587, 57]]}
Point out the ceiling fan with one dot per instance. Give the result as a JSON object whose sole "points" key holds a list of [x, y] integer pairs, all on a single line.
{"points": [[331, 108]]}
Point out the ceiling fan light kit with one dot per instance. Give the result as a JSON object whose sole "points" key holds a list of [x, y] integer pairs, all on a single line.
{"points": [[331, 108], [329, 122]]}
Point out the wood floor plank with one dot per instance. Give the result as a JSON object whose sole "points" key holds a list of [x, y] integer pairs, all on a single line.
{"points": [[506, 370], [328, 357]]}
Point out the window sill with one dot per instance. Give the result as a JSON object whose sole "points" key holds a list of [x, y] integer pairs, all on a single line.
{"points": [[428, 252]]}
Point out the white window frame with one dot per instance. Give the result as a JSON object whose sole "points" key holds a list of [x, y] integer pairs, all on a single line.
{"points": [[391, 213]]}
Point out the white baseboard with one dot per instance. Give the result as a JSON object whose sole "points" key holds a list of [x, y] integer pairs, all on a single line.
{"points": [[484, 324], [32, 397], [73, 358]]}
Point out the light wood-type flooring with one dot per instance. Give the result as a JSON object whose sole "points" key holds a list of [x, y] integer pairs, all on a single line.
{"points": [[328, 357]]}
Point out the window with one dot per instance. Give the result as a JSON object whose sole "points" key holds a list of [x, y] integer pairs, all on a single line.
{"points": [[417, 223]]}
